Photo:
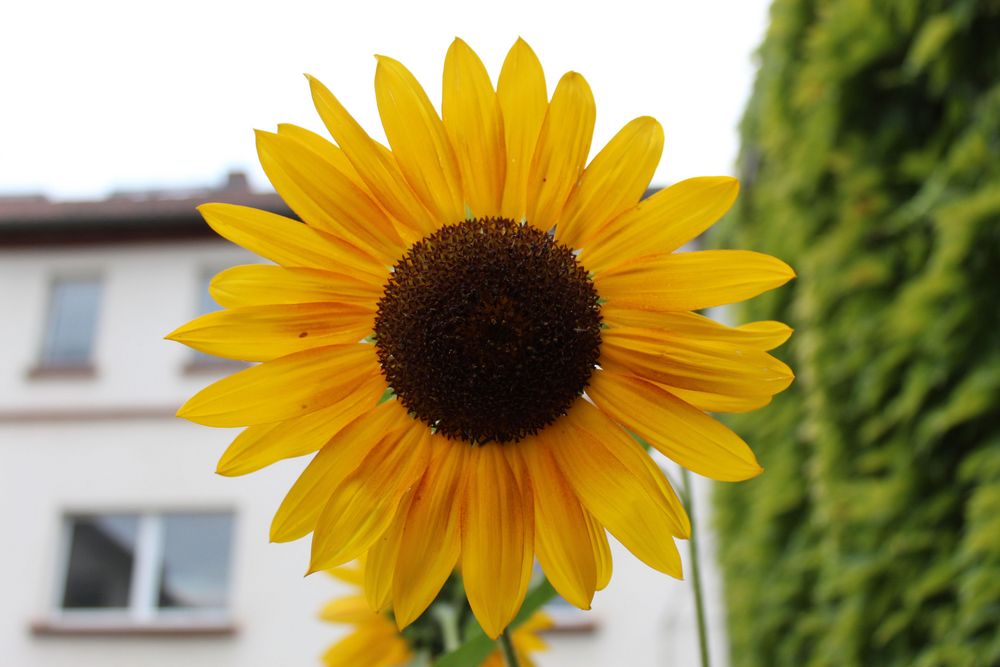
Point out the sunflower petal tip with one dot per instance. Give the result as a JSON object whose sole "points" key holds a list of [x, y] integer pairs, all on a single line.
{"points": [[402, 620], [263, 136], [207, 208]]}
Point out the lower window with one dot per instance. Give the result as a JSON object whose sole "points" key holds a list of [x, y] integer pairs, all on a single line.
{"points": [[146, 568]]}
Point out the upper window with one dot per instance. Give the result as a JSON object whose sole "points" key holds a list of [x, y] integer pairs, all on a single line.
{"points": [[72, 323], [205, 304], [147, 566]]}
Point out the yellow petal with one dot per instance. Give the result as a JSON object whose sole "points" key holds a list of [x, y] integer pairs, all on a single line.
{"points": [[325, 197], [562, 536], [604, 467], [263, 444], [419, 141], [348, 609], [524, 100], [262, 284], [474, 123], [602, 550], [431, 543], [363, 506], [562, 150], [284, 388], [764, 335], [693, 364], [680, 432], [380, 563], [341, 456], [496, 543], [661, 224], [352, 573], [330, 151], [613, 182], [286, 241], [692, 280], [374, 163], [261, 333], [371, 645], [710, 402]]}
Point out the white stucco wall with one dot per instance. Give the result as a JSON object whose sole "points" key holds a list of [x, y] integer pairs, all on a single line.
{"points": [[154, 462]]}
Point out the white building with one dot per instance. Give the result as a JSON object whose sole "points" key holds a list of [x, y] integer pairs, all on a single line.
{"points": [[120, 545]]}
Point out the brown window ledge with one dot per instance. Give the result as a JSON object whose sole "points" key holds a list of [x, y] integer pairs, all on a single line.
{"points": [[567, 627], [81, 628], [62, 372]]}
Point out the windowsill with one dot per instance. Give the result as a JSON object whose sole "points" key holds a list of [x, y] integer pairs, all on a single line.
{"points": [[570, 621], [581, 626], [572, 628], [125, 628], [62, 372], [213, 366]]}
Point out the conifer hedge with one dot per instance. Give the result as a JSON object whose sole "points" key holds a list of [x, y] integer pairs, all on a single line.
{"points": [[871, 163]]}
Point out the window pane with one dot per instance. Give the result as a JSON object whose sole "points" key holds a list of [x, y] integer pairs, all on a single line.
{"points": [[206, 304], [195, 570], [101, 555], [69, 339]]}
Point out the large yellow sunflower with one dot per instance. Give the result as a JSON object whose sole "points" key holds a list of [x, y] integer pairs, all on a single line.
{"points": [[376, 642], [524, 307]]}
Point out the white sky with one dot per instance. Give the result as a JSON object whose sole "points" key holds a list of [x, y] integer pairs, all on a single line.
{"points": [[101, 95]]}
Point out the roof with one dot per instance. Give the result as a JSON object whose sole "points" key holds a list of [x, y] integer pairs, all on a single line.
{"points": [[124, 217]]}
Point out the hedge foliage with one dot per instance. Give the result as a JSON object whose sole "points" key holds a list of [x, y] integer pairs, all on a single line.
{"points": [[871, 163]]}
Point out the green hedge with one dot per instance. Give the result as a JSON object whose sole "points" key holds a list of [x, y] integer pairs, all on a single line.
{"points": [[871, 163]]}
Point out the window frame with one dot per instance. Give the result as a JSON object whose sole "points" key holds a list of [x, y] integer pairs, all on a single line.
{"points": [[201, 362], [44, 363], [142, 610]]}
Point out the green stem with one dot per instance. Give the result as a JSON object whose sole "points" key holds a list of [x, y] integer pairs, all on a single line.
{"points": [[699, 602], [509, 654]]}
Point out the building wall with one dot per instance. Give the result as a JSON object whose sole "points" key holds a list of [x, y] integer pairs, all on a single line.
{"points": [[110, 443]]}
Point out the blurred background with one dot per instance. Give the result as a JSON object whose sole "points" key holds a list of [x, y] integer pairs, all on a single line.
{"points": [[867, 139]]}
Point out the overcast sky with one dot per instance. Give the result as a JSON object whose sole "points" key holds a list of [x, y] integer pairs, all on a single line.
{"points": [[97, 96]]}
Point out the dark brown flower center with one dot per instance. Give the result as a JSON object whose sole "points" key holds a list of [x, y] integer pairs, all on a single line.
{"points": [[488, 330]]}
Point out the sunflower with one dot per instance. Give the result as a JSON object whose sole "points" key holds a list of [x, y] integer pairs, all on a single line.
{"points": [[375, 640], [520, 311]]}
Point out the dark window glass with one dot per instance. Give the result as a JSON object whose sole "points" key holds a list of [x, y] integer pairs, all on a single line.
{"points": [[195, 564], [101, 555], [72, 324]]}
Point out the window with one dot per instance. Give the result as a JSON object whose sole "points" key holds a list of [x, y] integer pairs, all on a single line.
{"points": [[206, 304], [72, 323], [200, 361], [143, 568]]}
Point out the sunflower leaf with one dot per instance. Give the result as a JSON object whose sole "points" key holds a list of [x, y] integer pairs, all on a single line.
{"points": [[478, 646]]}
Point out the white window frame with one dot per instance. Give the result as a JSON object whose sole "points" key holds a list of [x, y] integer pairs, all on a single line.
{"points": [[43, 359], [142, 609]]}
